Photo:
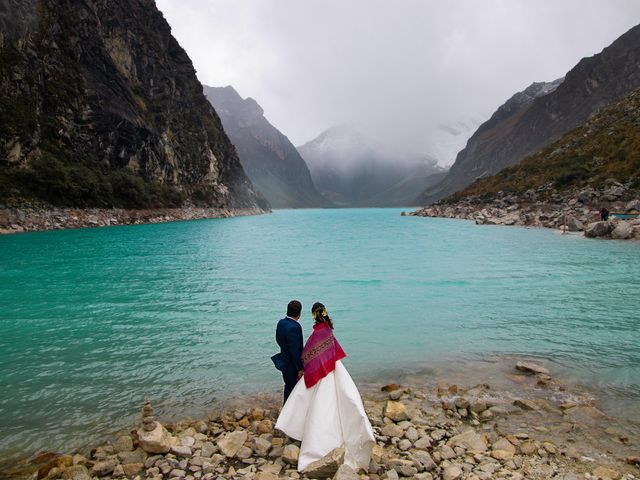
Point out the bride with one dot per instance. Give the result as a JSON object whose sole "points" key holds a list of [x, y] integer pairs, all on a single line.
{"points": [[325, 410]]}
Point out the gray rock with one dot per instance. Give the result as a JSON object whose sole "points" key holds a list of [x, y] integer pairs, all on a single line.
{"points": [[422, 461], [244, 453], [478, 406], [392, 430], [599, 229], [447, 453], [104, 467], [531, 367], [208, 449], [423, 443], [411, 434], [181, 451], [290, 454], [261, 446], [177, 473], [77, 472], [573, 224], [622, 231], [396, 411], [452, 472], [404, 444], [124, 443], [345, 472], [470, 440], [231, 442], [390, 475], [158, 440], [632, 206], [137, 456], [327, 466]]}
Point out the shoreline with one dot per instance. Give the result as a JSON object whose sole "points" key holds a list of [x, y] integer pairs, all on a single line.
{"points": [[573, 209], [577, 218], [19, 220], [538, 428]]}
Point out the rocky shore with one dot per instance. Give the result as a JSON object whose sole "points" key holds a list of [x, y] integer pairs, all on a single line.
{"points": [[29, 219], [573, 211], [425, 432]]}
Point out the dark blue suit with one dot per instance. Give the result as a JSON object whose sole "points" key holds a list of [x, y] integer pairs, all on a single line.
{"points": [[289, 360]]}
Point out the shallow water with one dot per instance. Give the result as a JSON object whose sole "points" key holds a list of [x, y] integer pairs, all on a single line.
{"points": [[92, 321]]}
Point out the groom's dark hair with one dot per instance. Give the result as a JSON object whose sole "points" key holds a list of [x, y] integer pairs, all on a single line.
{"points": [[294, 308]]}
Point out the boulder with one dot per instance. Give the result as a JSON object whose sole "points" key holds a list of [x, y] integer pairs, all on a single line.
{"points": [[104, 467], [327, 466], [261, 446], [602, 473], [452, 472], [158, 440], [573, 224], [531, 368], [470, 440], [266, 476], [622, 231], [599, 229], [478, 406], [231, 442], [124, 443], [423, 461], [290, 454], [181, 451], [632, 206], [77, 472], [345, 472], [396, 411], [392, 430], [132, 469]]}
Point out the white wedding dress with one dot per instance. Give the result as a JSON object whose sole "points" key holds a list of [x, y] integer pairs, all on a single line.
{"points": [[326, 416]]}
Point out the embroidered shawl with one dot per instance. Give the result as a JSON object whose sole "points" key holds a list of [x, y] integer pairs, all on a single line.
{"points": [[320, 354]]}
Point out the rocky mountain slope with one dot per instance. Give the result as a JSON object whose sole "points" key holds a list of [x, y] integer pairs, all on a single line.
{"points": [[565, 185], [270, 160], [535, 118], [352, 169], [100, 106], [605, 147]]}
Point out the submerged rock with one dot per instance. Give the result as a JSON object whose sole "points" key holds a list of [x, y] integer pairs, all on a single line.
{"points": [[531, 368]]}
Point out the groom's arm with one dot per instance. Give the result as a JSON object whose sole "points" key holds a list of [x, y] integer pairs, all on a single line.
{"points": [[295, 347]]}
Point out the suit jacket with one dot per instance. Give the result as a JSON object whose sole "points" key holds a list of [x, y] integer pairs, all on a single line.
{"points": [[289, 338]]}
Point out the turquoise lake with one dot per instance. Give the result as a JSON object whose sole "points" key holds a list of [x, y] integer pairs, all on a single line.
{"points": [[94, 320]]}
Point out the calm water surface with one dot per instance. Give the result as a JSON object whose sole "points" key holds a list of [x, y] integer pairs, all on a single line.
{"points": [[91, 321]]}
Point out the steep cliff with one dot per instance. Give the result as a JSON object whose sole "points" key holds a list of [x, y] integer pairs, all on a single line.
{"points": [[100, 106], [270, 160], [523, 126]]}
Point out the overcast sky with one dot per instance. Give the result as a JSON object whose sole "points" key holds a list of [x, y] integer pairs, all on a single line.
{"points": [[396, 68]]}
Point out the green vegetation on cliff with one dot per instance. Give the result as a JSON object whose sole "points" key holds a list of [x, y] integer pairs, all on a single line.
{"points": [[606, 146], [101, 107]]}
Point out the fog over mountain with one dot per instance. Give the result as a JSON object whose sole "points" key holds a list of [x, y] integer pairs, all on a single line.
{"points": [[352, 169], [398, 70]]}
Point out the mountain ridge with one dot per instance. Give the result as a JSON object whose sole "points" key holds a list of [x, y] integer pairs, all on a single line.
{"points": [[271, 161], [101, 107], [593, 83]]}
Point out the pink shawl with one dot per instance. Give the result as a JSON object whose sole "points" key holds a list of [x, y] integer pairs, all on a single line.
{"points": [[320, 354]]}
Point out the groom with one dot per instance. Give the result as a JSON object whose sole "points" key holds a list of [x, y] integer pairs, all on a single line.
{"points": [[289, 338]]}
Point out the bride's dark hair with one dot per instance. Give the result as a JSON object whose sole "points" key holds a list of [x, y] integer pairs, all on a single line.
{"points": [[320, 314]]}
